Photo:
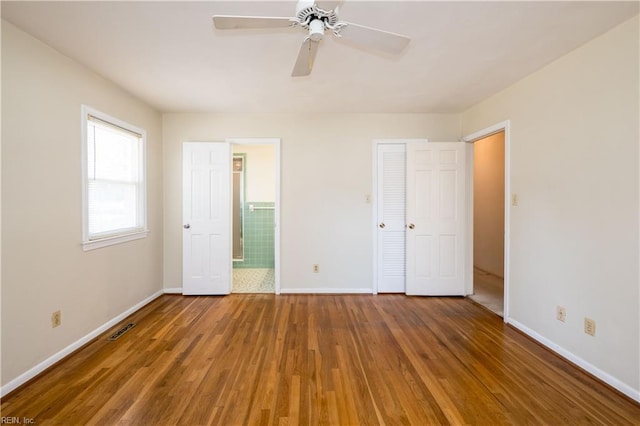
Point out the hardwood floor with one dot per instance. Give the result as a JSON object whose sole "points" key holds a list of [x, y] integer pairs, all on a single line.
{"points": [[317, 359]]}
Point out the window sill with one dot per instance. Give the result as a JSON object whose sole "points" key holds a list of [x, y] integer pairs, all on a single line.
{"points": [[105, 242]]}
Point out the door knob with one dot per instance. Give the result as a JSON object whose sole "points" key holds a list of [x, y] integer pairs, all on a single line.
{"points": [[382, 225], [411, 226], [187, 226]]}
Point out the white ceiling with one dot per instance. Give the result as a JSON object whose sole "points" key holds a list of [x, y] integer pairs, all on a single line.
{"points": [[169, 55]]}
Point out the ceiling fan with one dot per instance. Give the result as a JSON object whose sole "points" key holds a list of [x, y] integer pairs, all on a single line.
{"points": [[316, 21]]}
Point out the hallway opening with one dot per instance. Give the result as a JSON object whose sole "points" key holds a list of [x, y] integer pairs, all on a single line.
{"points": [[489, 222]]}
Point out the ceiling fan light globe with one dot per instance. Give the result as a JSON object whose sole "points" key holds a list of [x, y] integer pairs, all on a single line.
{"points": [[316, 30]]}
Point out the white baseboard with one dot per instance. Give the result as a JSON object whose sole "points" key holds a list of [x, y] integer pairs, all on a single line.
{"points": [[178, 290], [590, 368], [326, 291], [31, 373]]}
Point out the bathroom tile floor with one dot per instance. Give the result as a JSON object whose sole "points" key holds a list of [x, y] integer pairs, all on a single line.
{"points": [[253, 280]]}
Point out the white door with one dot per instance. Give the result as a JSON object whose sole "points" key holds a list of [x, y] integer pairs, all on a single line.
{"points": [[206, 242], [435, 218], [390, 199]]}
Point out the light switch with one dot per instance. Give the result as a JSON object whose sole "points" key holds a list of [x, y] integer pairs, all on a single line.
{"points": [[514, 200]]}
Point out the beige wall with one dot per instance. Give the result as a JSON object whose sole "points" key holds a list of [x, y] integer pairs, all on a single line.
{"points": [[574, 235], [488, 204], [326, 162], [260, 183], [44, 267], [1, 380]]}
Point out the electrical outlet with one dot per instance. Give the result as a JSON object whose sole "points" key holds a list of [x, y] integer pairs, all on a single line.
{"points": [[316, 268], [56, 319], [561, 313], [589, 326]]}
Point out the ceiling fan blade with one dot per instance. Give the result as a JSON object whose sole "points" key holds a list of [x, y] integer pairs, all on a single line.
{"points": [[373, 38], [230, 22], [306, 57]]}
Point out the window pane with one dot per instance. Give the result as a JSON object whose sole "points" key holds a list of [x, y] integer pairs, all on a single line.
{"points": [[91, 150], [115, 155], [112, 206]]}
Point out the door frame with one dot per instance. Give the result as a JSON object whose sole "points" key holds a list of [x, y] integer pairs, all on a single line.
{"points": [[374, 201], [504, 126], [276, 242]]}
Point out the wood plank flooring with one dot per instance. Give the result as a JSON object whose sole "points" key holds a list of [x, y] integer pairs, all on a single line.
{"points": [[317, 359]]}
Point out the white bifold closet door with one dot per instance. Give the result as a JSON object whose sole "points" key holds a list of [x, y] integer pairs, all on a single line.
{"points": [[391, 203], [421, 218]]}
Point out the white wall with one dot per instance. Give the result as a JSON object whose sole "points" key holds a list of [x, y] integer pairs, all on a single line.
{"points": [[44, 267], [488, 204], [326, 163], [260, 175], [574, 236]]}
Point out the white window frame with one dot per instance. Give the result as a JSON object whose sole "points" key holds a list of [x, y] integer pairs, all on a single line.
{"points": [[117, 238]]}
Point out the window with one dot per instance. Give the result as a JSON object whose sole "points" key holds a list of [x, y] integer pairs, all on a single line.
{"points": [[114, 180]]}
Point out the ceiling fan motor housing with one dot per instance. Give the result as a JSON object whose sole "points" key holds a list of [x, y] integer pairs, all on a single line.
{"points": [[303, 5], [311, 17]]}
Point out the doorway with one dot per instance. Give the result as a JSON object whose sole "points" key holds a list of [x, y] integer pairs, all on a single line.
{"points": [[254, 218], [488, 214], [488, 222]]}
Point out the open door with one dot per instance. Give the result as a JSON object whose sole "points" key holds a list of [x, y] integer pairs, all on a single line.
{"points": [[435, 219], [206, 242]]}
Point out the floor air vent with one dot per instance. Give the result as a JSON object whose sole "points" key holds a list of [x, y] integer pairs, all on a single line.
{"points": [[120, 332]]}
